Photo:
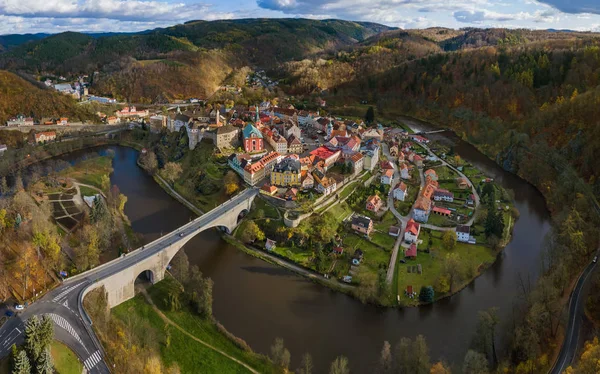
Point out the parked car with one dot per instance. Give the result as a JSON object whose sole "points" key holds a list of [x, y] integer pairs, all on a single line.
{"points": [[19, 307], [9, 313], [595, 259], [347, 279]]}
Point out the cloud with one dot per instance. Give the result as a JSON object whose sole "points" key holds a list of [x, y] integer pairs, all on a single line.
{"points": [[574, 6], [122, 10], [484, 16]]}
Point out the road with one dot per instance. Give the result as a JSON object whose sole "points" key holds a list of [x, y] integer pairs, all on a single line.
{"points": [[569, 348], [64, 304]]}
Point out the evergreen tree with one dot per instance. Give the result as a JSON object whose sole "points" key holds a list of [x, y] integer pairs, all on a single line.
{"points": [[427, 294], [370, 116], [3, 186], [21, 365], [45, 364], [19, 183]]}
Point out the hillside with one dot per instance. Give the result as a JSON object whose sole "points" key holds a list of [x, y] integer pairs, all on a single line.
{"points": [[19, 96]]}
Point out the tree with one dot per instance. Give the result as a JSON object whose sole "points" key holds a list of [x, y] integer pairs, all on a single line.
{"points": [[449, 240], [339, 366], [494, 221], [181, 267], [172, 171], [453, 269], [440, 368], [45, 364], [427, 294], [231, 183], [306, 364], [39, 333], [4, 190], [104, 182], [19, 183], [370, 115], [386, 362], [149, 162], [122, 201], [279, 354], [412, 357], [252, 233], [21, 364], [475, 363], [484, 340], [590, 357]]}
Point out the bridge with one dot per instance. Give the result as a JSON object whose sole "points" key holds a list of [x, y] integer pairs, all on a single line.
{"points": [[65, 303]]}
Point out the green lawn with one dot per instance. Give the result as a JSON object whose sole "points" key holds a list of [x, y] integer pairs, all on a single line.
{"points": [[383, 239], [445, 172], [90, 171], [384, 222], [340, 211], [472, 257], [268, 210], [347, 190], [65, 360], [86, 191], [190, 355], [373, 255], [403, 207]]}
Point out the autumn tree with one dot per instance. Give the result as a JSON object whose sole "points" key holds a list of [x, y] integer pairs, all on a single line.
{"points": [[453, 269], [306, 364], [252, 233], [475, 363], [440, 368], [279, 354], [386, 363], [484, 340], [339, 366], [231, 183], [172, 171], [449, 240]]}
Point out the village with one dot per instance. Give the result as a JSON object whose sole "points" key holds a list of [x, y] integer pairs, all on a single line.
{"points": [[401, 210]]}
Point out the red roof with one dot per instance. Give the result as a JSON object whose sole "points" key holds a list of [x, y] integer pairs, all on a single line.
{"points": [[323, 152], [441, 210], [339, 250], [412, 227], [411, 251]]}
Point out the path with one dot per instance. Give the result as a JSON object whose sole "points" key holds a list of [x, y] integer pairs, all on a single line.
{"points": [[170, 322], [177, 196]]}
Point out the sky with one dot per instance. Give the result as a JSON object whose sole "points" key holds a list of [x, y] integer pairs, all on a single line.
{"points": [[54, 16]]}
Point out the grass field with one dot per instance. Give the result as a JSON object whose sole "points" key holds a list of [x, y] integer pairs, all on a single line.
{"points": [[471, 256], [65, 360], [373, 255], [190, 355], [90, 171], [86, 191]]}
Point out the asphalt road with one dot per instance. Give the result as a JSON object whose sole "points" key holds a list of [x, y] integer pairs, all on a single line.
{"points": [[576, 313], [63, 304]]}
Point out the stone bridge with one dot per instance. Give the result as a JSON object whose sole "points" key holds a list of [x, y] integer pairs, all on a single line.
{"points": [[118, 276]]}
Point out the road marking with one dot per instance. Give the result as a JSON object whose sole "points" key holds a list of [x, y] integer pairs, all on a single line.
{"points": [[60, 321], [66, 304], [65, 292], [8, 341], [92, 360]]}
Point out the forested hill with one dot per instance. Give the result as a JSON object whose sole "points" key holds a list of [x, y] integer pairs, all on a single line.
{"points": [[265, 42], [19, 96]]}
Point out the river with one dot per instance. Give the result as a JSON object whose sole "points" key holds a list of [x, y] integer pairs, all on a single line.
{"points": [[258, 301]]}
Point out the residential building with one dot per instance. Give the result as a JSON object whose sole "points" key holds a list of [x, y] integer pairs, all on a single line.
{"points": [[44, 137], [411, 232], [411, 252], [129, 112], [400, 191], [431, 174], [295, 145], [371, 159], [253, 173], [420, 139], [325, 185], [463, 233], [64, 121], [441, 211], [356, 161], [227, 137], [422, 209], [308, 181], [462, 183], [253, 139], [394, 151], [404, 173], [269, 161], [374, 203], [443, 195], [471, 199], [326, 155], [372, 133], [387, 177], [418, 161], [278, 143], [286, 173], [394, 231], [20, 121], [291, 129], [113, 120], [267, 189], [362, 224]]}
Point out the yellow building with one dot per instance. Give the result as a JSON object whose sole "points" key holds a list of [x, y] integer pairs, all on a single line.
{"points": [[286, 173]]}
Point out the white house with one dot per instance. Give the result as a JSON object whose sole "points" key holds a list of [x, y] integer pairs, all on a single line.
{"points": [[463, 233], [443, 195], [400, 191], [404, 174], [411, 233], [387, 177]]}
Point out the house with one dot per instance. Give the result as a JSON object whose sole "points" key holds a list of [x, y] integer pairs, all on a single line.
{"points": [[411, 232], [253, 173], [278, 142], [400, 191], [404, 173], [308, 181], [356, 161], [294, 145], [253, 139], [431, 174], [387, 177], [362, 224], [441, 211], [325, 185], [394, 151], [411, 252], [20, 121], [338, 250], [326, 155], [286, 173], [64, 121], [3, 148], [131, 112], [462, 183], [291, 194], [422, 209], [471, 199], [373, 133], [387, 165], [374, 203], [267, 189], [394, 231], [418, 161], [113, 120], [227, 137], [420, 139], [443, 195], [371, 159], [291, 129], [44, 137], [463, 233], [270, 244]]}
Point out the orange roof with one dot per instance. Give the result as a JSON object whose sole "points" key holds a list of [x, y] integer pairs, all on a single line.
{"points": [[356, 157], [412, 227], [401, 186], [441, 210], [374, 199], [423, 203], [388, 173]]}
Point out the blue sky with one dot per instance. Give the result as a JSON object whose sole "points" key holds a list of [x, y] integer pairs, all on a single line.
{"points": [[30, 16]]}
